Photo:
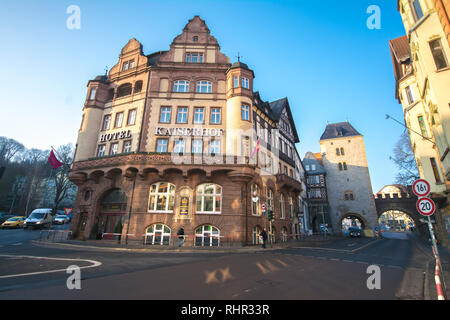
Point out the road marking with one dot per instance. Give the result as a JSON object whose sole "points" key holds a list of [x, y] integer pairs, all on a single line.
{"points": [[94, 264]]}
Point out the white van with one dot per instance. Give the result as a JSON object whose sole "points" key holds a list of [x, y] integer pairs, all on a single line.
{"points": [[39, 218]]}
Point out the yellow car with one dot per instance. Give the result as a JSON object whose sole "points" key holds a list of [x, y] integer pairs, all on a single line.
{"points": [[14, 222]]}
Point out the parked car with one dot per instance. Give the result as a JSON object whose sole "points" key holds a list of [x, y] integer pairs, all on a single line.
{"points": [[354, 232], [5, 216], [39, 218], [14, 222], [60, 219]]}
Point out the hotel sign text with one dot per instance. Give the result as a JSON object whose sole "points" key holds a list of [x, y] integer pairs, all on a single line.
{"points": [[115, 136]]}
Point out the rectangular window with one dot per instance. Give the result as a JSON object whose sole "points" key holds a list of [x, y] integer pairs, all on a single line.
{"points": [[215, 116], [235, 82], [417, 9], [114, 148], [131, 117], [92, 95], [423, 128], [214, 147], [106, 122], [131, 64], [178, 146], [438, 54], [125, 66], [245, 112], [182, 113], [435, 170], [409, 95], [197, 146], [245, 83], [194, 57], [199, 115], [127, 146], [119, 120], [101, 150], [165, 114], [161, 145], [82, 122], [181, 86]]}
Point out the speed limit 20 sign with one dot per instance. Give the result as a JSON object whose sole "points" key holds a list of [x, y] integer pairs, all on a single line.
{"points": [[421, 188], [426, 206]]}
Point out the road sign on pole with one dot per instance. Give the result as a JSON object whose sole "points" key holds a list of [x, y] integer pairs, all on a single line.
{"points": [[426, 206], [421, 188]]}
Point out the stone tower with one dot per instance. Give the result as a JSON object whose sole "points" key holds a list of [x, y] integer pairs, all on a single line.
{"points": [[350, 192]]}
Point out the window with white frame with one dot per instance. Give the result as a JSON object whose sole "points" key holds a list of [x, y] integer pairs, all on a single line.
{"points": [[269, 199], [162, 195], [131, 117], [92, 95], [127, 146], [209, 198], [165, 114], [181, 86], [106, 122], [214, 147], [114, 148], [161, 145], [199, 115], [182, 115], [204, 86], [101, 150], [235, 82], [245, 83], [197, 146], [119, 120], [245, 115], [215, 116], [207, 236], [179, 146], [194, 57], [157, 234]]}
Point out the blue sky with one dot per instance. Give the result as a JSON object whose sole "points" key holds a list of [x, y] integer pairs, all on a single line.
{"points": [[319, 54]]}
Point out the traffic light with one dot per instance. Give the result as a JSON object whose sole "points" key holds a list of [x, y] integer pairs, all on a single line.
{"points": [[270, 215]]}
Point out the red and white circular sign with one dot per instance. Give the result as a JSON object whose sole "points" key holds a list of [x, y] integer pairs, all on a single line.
{"points": [[421, 188], [426, 206]]}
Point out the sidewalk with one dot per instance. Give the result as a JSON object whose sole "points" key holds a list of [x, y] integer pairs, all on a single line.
{"points": [[114, 245], [444, 254]]}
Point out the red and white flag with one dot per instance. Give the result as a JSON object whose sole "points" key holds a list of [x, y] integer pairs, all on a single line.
{"points": [[54, 162], [256, 149]]}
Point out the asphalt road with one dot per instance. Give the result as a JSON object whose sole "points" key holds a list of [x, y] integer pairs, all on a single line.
{"points": [[337, 270]]}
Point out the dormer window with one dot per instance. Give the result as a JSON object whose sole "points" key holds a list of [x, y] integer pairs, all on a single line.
{"points": [[194, 57]]}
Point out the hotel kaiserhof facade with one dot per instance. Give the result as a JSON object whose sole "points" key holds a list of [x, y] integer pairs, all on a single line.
{"points": [[170, 140]]}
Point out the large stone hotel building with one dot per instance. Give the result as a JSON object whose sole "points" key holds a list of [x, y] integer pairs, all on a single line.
{"points": [[179, 138]]}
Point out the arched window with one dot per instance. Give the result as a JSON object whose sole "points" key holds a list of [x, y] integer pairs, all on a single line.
{"points": [[256, 200], [281, 206], [340, 166], [345, 166], [337, 152], [209, 198], [162, 196], [255, 232], [124, 90], [204, 86], [157, 234], [138, 86], [342, 151], [181, 86], [349, 195], [207, 236]]}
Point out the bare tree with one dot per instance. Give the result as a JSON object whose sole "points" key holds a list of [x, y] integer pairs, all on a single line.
{"points": [[61, 175], [404, 158]]}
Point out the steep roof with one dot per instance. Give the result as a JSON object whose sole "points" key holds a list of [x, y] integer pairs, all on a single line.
{"points": [[400, 54], [339, 130], [310, 160]]}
